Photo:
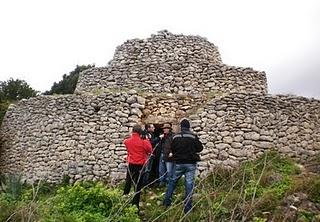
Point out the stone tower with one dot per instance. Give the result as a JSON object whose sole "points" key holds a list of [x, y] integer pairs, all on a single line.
{"points": [[159, 79]]}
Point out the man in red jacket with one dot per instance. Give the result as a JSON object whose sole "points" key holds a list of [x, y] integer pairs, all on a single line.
{"points": [[138, 150]]}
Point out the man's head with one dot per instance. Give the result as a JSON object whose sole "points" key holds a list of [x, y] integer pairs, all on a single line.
{"points": [[150, 128], [185, 124], [137, 129], [166, 128]]}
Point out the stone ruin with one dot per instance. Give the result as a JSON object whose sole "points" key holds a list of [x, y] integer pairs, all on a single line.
{"points": [[160, 79]]}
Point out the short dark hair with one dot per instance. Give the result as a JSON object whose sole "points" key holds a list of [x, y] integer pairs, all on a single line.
{"points": [[148, 125], [185, 124], [137, 129]]}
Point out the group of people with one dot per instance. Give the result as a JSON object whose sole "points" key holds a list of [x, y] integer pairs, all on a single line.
{"points": [[162, 160]]}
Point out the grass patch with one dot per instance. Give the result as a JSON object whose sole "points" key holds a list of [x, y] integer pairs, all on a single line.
{"points": [[250, 193], [256, 191]]}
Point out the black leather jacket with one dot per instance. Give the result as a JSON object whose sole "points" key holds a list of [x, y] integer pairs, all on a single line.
{"points": [[185, 147]]}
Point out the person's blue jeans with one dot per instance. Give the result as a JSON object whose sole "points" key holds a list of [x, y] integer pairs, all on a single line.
{"points": [[165, 170], [162, 170], [188, 170], [169, 167]]}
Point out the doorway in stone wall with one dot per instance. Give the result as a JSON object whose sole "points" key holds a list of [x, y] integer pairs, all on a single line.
{"points": [[158, 129], [154, 170]]}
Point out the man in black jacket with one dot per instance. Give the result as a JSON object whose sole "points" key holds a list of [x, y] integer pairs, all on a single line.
{"points": [[185, 147], [151, 171]]}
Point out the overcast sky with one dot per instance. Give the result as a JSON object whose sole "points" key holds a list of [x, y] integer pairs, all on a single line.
{"points": [[40, 40]]}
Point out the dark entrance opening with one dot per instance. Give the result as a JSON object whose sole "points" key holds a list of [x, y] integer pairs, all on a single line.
{"points": [[154, 164], [158, 130]]}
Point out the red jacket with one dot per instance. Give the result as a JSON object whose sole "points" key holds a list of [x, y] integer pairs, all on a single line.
{"points": [[138, 149]]}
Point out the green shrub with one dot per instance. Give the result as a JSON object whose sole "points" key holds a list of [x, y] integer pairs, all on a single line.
{"points": [[267, 202], [306, 216], [12, 185], [220, 177], [3, 109], [259, 219], [314, 189], [219, 209], [87, 201], [252, 190], [271, 161], [7, 206], [308, 185], [281, 188]]}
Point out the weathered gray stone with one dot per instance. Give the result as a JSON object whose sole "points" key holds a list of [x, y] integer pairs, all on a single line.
{"points": [[228, 139], [236, 145], [121, 114], [160, 79], [293, 129], [238, 139], [137, 112], [141, 100], [251, 136], [223, 155], [210, 145], [222, 146], [264, 145], [137, 105], [266, 138]]}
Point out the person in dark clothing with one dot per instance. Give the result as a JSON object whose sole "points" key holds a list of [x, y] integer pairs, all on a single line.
{"points": [[138, 150], [166, 160], [151, 171], [185, 147], [149, 134]]}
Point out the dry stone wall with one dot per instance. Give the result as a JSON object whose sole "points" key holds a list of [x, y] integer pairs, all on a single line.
{"points": [[81, 136], [173, 64], [167, 107], [241, 127], [160, 79]]}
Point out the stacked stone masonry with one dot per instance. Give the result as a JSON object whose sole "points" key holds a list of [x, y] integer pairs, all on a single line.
{"points": [[79, 136], [160, 79], [174, 64], [241, 127]]}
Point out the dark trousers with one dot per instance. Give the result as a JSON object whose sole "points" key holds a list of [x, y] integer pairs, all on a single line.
{"points": [[135, 175], [151, 176]]}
